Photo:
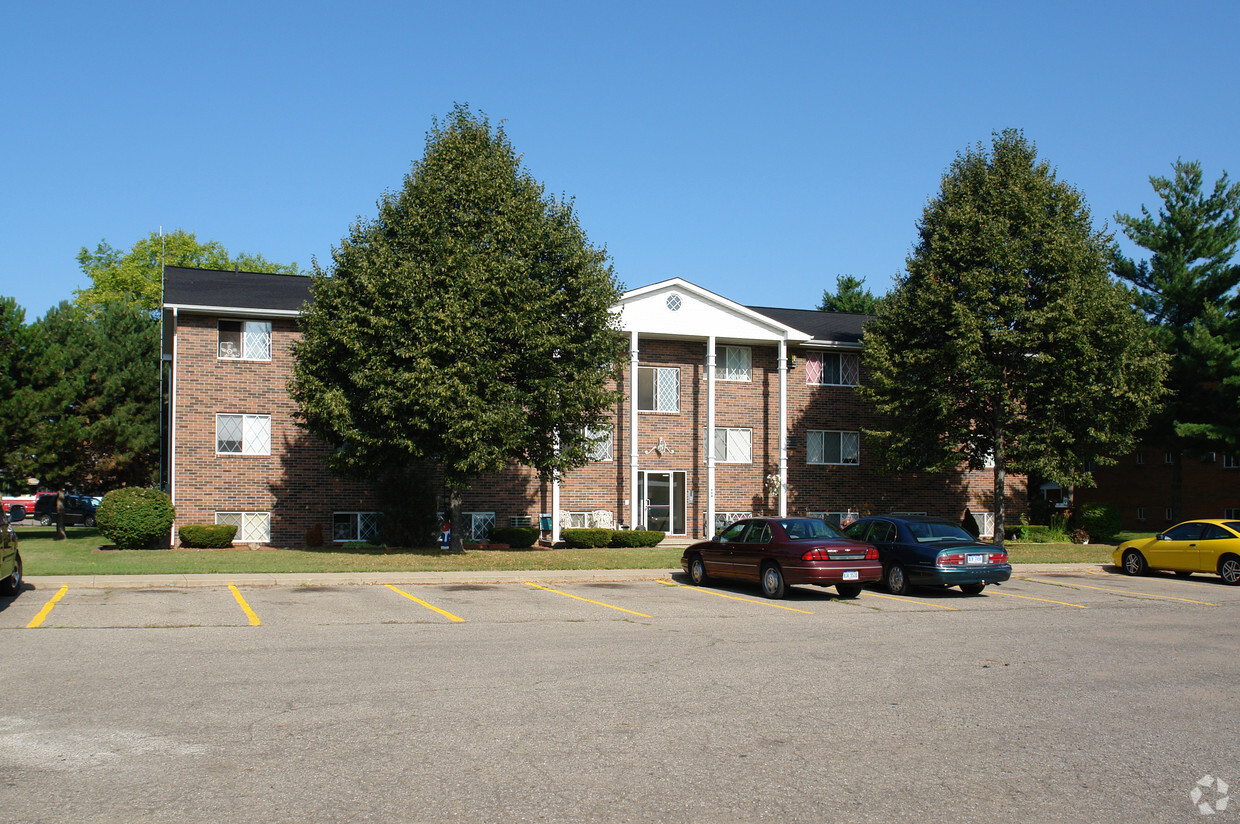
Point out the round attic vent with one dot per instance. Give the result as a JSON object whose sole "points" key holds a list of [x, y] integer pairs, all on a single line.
{"points": [[673, 302]]}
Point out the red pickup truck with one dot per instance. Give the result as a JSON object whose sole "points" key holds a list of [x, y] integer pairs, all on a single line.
{"points": [[24, 502]]}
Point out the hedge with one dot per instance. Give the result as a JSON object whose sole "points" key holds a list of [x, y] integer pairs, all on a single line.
{"points": [[134, 518], [596, 538], [207, 536], [517, 537], [636, 538], [1099, 520], [586, 538]]}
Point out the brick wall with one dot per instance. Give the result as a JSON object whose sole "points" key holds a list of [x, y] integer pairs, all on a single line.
{"points": [[1209, 488]]}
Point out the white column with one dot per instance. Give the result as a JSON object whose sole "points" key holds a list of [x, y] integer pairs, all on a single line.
{"points": [[555, 498], [783, 428], [709, 528], [633, 503]]}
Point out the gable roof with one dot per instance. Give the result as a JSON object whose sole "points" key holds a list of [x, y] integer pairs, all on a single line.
{"points": [[839, 328], [676, 308], [243, 293]]}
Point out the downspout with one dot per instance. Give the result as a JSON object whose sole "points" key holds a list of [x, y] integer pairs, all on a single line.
{"points": [[172, 413], [783, 428], [633, 504], [708, 530]]}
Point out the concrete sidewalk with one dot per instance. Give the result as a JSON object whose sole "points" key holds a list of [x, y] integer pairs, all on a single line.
{"points": [[341, 579]]}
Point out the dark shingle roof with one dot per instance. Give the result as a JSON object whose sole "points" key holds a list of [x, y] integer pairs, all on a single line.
{"points": [[255, 291], [833, 327]]}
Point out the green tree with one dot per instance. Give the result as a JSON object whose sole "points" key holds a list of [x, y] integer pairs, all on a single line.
{"points": [[1187, 291], [850, 296], [94, 404], [1006, 341], [15, 396], [468, 324], [137, 275]]}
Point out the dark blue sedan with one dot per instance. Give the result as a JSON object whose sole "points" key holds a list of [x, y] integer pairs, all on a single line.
{"points": [[920, 551]]}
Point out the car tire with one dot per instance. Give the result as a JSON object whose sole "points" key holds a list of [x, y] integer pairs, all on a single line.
{"points": [[697, 571], [1229, 568], [897, 581], [12, 584], [45, 520], [972, 589], [1134, 563], [848, 590], [773, 583]]}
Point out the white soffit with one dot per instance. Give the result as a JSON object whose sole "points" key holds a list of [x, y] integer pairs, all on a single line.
{"points": [[677, 308]]}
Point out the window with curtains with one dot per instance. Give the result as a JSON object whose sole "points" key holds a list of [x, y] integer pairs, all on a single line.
{"points": [[244, 340], [658, 389], [832, 369], [734, 363], [832, 447]]}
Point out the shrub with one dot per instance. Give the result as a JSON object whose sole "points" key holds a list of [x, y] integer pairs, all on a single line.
{"points": [[629, 538], [1059, 528], [586, 538], [135, 518], [517, 537], [1099, 520], [207, 536], [1080, 536]]}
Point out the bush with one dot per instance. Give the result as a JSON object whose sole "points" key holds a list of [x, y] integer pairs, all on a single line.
{"points": [[586, 538], [630, 538], [135, 518], [1080, 536], [1099, 520], [207, 536], [517, 537]]}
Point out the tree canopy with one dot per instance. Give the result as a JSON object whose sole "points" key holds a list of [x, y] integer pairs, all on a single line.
{"points": [[850, 295], [136, 276], [467, 324], [1006, 340], [16, 396]]}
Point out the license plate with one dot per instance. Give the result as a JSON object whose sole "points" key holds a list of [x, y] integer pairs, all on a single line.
{"points": [[976, 559], [851, 575]]}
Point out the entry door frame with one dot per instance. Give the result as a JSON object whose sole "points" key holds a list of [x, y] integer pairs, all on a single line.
{"points": [[676, 480]]}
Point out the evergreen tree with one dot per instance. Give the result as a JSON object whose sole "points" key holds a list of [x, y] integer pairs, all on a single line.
{"points": [[468, 324], [1006, 340], [850, 296], [15, 396]]}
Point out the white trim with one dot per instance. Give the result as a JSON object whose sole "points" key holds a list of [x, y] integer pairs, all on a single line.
{"points": [[711, 458], [633, 365], [172, 412], [783, 429], [233, 311]]}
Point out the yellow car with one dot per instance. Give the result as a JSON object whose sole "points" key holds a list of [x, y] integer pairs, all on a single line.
{"points": [[1193, 546]]}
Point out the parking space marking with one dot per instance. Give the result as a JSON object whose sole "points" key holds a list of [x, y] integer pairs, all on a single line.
{"points": [[1047, 600], [587, 600], [249, 612], [47, 608], [1177, 579], [431, 607], [909, 600], [1121, 591], [735, 597]]}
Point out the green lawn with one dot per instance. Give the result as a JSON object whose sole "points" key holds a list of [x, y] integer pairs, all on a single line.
{"points": [[81, 555]]}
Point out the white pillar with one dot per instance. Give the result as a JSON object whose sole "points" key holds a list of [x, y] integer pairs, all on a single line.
{"points": [[783, 428], [633, 503], [555, 498], [709, 527]]}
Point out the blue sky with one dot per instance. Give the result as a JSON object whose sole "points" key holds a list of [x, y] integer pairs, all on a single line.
{"points": [[756, 149]]}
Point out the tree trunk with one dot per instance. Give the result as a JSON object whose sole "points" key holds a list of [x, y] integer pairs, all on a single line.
{"points": [[455, 544], [60, 516]]}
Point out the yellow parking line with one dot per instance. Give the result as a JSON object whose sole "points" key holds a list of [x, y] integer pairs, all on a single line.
{"points": [[1183, 581], [1122, 592], [431, 607], [1047, 600], [910, 600], [237, 594], [735, 598], [587, 600], [47, 608]]}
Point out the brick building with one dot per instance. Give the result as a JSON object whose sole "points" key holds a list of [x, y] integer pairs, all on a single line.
{"points": [[1140, 486], [726, 410]]}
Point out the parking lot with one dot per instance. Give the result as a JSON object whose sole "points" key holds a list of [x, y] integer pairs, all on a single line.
{"points": [[1080, 695]]}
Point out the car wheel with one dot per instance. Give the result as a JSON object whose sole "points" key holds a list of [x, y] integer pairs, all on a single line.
{"points": [[1229, 568], [897, 581], [972, 589], [13, 583], [1134, 562], [45, 520], [848, 590], [88, 522], [697, 570], [773, 584]]}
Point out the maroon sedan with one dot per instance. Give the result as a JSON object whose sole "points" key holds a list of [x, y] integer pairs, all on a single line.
{"points": [[780, 552]]}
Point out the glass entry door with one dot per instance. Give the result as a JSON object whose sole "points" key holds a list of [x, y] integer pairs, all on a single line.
{"points": [[662, 498]]}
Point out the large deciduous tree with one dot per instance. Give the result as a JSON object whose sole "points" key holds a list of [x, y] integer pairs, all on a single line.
{"points": [[136, 276], [468, 324], [1006, 340], [850, 295], [16, 396], [1187, 291]]}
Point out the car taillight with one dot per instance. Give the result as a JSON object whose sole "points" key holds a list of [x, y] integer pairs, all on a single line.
{"points": [[871, 554], [951, 559], [998, 557], [816, 554]]}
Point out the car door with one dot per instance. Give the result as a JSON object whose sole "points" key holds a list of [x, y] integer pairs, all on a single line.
{"points": [[717, 554], [1176, 548], [748, 553], [1214, 542]]}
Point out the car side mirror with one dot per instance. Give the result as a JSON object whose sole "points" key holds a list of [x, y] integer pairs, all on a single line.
{"points": [[1162, 537]]}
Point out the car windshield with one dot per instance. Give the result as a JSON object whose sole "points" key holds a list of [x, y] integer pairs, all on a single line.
{"points": [[808, 529], [931, 531]]}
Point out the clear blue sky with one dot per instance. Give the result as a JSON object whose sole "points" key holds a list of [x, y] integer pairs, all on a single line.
{"points": [[756, 149]]}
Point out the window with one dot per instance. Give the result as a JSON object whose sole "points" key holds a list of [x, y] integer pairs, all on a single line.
{"points": [[1140, 459], [733, 445], [832, 369], [520, 520], [600, 448], [1168, 457], [1170, 514], [833, 447], [252, 527], [245, 340], [722, 519], [733, 364], [658, 389], [1232, 513], [355, 526], [243, 434], [1140, 513], [477, 526], [1231, 462]]}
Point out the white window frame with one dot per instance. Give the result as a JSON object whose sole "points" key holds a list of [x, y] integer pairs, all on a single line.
{"points": [[1140, 513], [1169, 457], [359, 517], [1168, 514], [255, 434], [849, 447], [252, 527], [1140, 459], [734, 363], [836, 519], [602, 444], [1231, 461], [1231, 514], [663, 377], [472, 522], [847, 367], [255, 341], [730, 439], [724, 519]]}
